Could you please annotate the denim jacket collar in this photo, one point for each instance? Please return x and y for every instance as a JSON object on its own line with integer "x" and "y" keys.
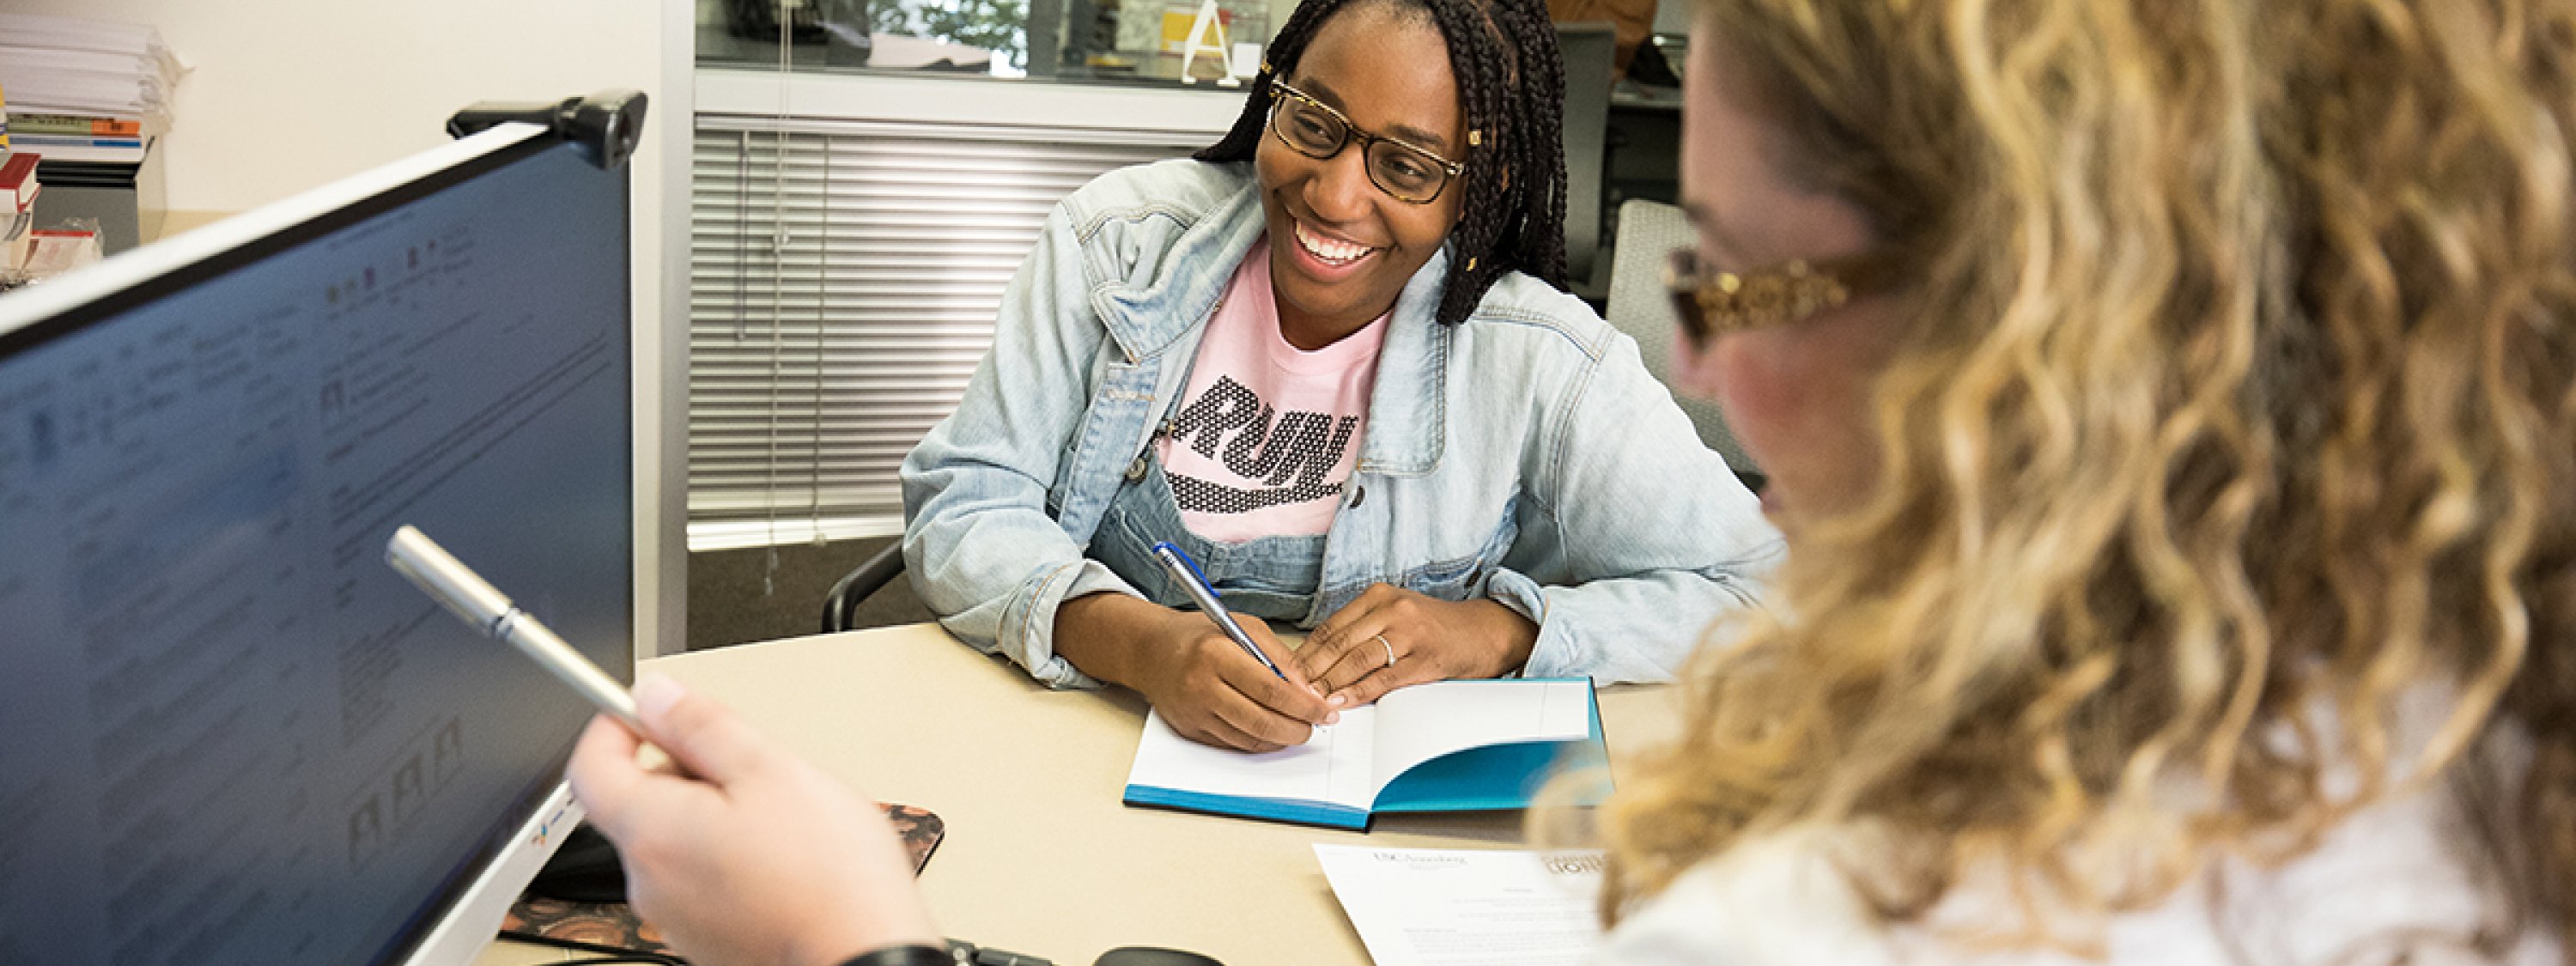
{"x": 1148, "y": 320}
{"x": 1407, "y": 407}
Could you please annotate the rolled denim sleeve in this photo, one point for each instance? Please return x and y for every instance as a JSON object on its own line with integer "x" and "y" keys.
{"x": 1649, "y": 539}
{"x": 985, "y": 553}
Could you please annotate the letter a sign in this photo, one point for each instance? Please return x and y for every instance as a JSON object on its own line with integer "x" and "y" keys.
{"x": 1210, "y": 21}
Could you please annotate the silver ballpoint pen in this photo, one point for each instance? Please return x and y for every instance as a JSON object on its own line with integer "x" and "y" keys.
{"x": 1187, "y": 572}
{"x": 478, "y": 603}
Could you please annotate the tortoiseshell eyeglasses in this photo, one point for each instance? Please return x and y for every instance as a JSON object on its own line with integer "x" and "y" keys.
{"x": 1406, "y": 171}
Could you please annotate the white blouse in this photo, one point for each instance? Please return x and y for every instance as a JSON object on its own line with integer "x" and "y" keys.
{"x": 2387, "y": 884}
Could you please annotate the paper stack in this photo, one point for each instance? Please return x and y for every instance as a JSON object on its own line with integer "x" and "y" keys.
{"x": 85, "y": 91}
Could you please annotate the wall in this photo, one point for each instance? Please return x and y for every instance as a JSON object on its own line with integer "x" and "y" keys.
{"x": 284, "y": 95}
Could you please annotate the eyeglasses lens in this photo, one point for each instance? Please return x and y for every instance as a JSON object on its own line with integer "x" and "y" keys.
{"x": 1404, "y": 172}
{"x": 1313, "y": 131}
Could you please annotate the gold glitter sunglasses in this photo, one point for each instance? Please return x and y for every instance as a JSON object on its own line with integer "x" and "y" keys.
{"x": 1712, "y": 303}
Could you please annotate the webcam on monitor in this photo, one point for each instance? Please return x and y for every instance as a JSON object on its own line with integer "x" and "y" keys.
{"x": 604, "y": 127}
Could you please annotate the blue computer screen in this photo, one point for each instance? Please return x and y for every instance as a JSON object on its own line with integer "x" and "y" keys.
{"x": 229, "y": 733}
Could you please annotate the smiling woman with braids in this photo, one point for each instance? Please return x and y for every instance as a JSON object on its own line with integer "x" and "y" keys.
{"x": 1328, "y": 359}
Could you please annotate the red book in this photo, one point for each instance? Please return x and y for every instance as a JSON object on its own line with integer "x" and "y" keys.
{"x": 18, "y": 182}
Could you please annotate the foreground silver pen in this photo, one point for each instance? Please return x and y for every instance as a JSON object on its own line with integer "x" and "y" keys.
{"x": 475, "y": 601}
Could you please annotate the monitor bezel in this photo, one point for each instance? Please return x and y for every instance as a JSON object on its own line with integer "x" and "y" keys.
{"x": 67, "y": 304}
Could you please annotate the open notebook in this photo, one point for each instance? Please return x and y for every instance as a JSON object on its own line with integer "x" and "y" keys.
{"x": 1450, "y": 746}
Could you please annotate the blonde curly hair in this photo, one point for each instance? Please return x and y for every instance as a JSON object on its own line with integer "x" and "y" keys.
{"x": 2236, "y": 398}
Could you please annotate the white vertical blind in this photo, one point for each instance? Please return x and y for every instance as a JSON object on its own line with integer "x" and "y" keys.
{"x": 843, "y": 281}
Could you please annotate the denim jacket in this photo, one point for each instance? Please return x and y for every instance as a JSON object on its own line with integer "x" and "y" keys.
{"x": 1524, "y": 455}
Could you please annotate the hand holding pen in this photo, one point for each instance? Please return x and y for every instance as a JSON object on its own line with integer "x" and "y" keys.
{"x": 1194, "y": 667}
{"x": 1186, "y": 572}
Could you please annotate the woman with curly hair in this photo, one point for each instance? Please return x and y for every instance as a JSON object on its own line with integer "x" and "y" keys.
{"x": 2172, "y": 410}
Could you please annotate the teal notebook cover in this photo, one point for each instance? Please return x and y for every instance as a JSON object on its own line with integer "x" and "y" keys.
{"x": 1488, "y": 777}
{"x": 1496, "y": 777}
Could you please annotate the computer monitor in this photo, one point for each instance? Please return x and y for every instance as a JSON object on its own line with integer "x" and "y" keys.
{"x": 229, "y": 733}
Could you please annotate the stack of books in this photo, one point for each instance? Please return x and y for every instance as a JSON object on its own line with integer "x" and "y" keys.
{"x": 18, "y": 190}
{"x": 77, "y": 137}
{"x": 90, "y": 96}
{"x": 85, "y": 91}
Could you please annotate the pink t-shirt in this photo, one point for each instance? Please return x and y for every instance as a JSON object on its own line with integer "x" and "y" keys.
{"x": 1268, "y": 433}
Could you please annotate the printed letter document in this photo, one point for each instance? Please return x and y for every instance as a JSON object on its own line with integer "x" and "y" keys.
{"x": 1450, "y": 907}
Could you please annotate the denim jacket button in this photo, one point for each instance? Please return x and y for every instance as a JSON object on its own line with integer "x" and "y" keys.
{"x": 1136, "y": 470}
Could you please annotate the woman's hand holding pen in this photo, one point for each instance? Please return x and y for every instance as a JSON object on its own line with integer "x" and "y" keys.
{"x": 750, "y": 855}
{"x": 1389, "y": 637}
{"x": 1201, "y": 681}
{"x": 1210, "y": 691}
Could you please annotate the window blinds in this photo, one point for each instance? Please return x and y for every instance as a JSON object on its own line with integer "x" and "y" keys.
{"x": 843, "y": 280}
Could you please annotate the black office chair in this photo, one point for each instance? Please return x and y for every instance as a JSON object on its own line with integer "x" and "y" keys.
{"x": 841, "y": 606}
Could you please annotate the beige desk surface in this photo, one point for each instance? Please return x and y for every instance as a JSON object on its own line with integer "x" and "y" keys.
{"x": 1041, "y": 858}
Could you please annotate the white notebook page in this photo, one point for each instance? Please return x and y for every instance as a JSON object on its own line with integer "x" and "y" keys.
{"x": 1332, "y": 766}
